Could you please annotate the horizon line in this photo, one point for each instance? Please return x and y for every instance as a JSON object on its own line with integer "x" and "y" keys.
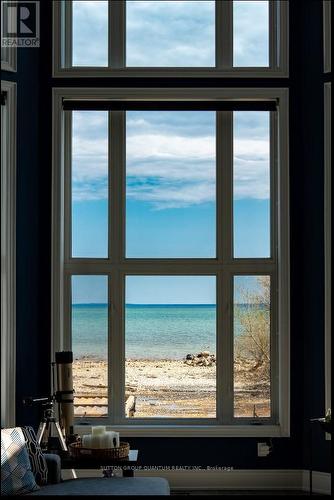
{"x": 160, "y": 304}
{"x": 138, "y": 304}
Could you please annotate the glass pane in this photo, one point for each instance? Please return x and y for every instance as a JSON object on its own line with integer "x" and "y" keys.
{"x": 170, "y": 33}
{"x": 171, "y": 184}
{"x": 252, "y": 346}
{"x": 251, "y": 184}
{"x": 170, "y": 342}
{"x": 90, "y": 184}
{"x": 250, "y": 33}
{"x": 90, "y": 33}
{"x": 90, "y": 345}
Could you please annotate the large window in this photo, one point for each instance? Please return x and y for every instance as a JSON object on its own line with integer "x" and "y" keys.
{"x": 170, "y": 37}
{"x": 171, "y": 255}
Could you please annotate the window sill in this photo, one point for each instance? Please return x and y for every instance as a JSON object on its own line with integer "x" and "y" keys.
{"x": 232, "y": 431}
{"x": 84, "y": 72}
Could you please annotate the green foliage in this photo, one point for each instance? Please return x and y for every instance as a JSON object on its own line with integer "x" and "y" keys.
{"x": 252, "y": 345}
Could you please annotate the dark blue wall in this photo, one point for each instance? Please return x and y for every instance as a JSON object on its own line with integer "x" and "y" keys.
{"x": 307, "y": 263}
{"x": 33, "y": 237}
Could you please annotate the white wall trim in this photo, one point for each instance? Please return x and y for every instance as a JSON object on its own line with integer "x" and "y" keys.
{"x": 8, "y": 254}
{"x": 321, "y": 482}
{"x": 242, "y": 479}
{"x": 188, "y": 430}
{"x": 328, "y": 243}
{"x": 327, "y": 34}
{"x": 8, "y": 54}
{"x": 8, "y": 60}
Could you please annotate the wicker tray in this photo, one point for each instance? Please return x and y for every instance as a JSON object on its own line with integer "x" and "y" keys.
{"x": 78, "y": 451}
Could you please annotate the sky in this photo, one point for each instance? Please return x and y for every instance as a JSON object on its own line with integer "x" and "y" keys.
{"x": 170, "y": 156}
{"x": 170, "y": 191}
{"x": 170, "y": 33}
{"x": 143, "y": 290}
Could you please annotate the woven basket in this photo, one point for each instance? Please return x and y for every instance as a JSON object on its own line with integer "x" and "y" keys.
{"x": 78, "y": 451}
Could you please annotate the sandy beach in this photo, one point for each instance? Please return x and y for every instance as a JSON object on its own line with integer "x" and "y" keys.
{"x": 167, "y": 388}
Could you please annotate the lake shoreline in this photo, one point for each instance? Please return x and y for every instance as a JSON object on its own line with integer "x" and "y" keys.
{"x": 167, "y": 388}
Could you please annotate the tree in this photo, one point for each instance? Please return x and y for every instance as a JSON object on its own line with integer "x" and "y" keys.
{"x": 252, "y": 344}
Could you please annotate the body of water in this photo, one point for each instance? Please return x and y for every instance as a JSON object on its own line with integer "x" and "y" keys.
{"x": 151, "y": 331}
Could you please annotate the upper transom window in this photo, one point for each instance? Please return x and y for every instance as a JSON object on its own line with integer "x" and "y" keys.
{"x": 170, "y": 37}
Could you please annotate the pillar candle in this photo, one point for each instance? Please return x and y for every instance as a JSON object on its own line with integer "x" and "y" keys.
{"x": 97, "y": 440}
{"x": 115, "y": 440}
{"x": 98, "y": 430}
{"x": 87, "y": 441}
{"x": 107, "y": 441}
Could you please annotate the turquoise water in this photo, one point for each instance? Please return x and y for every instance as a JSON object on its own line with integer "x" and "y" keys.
{"x": 152, "y": 331}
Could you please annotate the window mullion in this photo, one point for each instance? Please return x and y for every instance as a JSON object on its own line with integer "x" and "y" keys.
{"x": 220, "y": 352}
{"x": 67, "y": 34}
{"x": 116, "y": 185}
{"x": 226, "y": 355}
{"x": 225, "y": 185}
{"x": 224, "y": 34}
{"x": 225, "y": 132}
{"x": 116, "y": 34}
{"x": 224, "y": 237}
{"x": 116, "y": 252}
{"x": 274, "y": 351}
{"x": 273, "y": 185}
{"x": 116, "y": 348}
{"x": 273, "y": 34}
{"x": 66, "y": 338}
{"x": 68, "y": 186}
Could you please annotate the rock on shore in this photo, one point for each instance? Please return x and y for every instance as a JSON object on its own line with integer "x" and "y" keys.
{"x": 203, "y": 358}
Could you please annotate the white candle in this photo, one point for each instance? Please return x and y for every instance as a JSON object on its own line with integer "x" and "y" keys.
{"x": 106, "y": 442}
{"x": 98, "y": 430}
{"x": 114, "y": 438}
{"x": 97, "y": 441}
{"x": 87, "y": 441}
{"x": 108, "y": 439}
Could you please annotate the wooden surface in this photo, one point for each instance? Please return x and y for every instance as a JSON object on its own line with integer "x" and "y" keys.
{"x": 90, "y": 463}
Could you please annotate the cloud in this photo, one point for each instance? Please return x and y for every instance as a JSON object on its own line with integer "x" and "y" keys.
{"x": 90, "y": 33}
{"x": 251, "y": 173}
{"x": 173, "y": 196}
{"x": 170, "y": 33}
{"x": 187, "y": 123}
{"x": 166, "y": 167}
{"x": 89, "y": 155}
{"x": 251, "y": 31}
{"x": 170, "y": 147}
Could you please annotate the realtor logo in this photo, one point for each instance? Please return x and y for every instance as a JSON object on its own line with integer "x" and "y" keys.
{"x": 20, "y": 24}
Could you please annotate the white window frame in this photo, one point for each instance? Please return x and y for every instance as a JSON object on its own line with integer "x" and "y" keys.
{"x": 278, "y": 50}
{"x": 63, "y": 266}
{"x": 8, "y": 59}
{"x": 328, "y": 243}
{"x": 8, "y": 254}
{"x": 8, "y": 54}
{"x": 327, "y": 30}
